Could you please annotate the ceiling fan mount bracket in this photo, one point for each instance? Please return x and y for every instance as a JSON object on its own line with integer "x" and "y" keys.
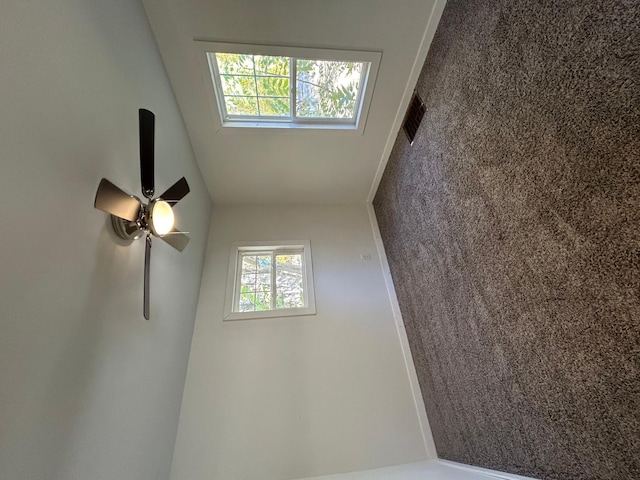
{"x": 126, "y": 229}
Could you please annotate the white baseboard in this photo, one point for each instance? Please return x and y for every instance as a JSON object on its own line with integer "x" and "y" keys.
{"x": 427, "y": 37}
{"x": 484, "y": 471}
{"x": 429, "y": 445}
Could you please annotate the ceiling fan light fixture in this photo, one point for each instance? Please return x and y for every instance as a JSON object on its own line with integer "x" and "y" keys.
{"x": 161, "y": 217}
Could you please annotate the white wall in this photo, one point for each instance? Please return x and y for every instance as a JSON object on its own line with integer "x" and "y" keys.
{"x": 300, "y": 396}
{"x": 88, "y": 388}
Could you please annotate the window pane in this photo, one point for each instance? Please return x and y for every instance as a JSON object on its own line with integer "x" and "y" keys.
{"x": 269, "y": 280}
{"x": 274, "y": 107}
{"x": 248, "y": 264}
{"x": 263, "y": 263}
{"x": 273, "y": 87}
{"x": 237, "y": 63}
{"x": 327, "y": 89}
{"x": 242, "y": 105}
{"x": 255, "y": 283}
{"x": 289, "y": 284}
{"x": 255, "y": 297}
{"x": 248, "y": 280}
{"x": 237, "y": 85}
{"x": 246, "y": 306}
{"x": 247, "y": 300}
{"x": 269, "y": 65}
{"x": 263, "y": 301}
{"x": 263, "y": 279}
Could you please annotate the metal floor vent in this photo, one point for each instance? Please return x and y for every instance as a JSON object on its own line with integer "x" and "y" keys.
{"x": 413, "y": 117}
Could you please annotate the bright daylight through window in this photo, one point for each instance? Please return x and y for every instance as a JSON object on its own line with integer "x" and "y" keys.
{"x": 267, "y": 87}
{"x": 269, "y": 281}
{"x": 290, "y": 87}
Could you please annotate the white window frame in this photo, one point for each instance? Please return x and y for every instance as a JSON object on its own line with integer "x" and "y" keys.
{"x": 235, "y": 271}
{"x": 217, "y": 103}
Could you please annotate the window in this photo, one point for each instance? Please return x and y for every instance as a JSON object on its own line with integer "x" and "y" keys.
{"x": 269, "y": 280}
{"x": 286, "y": 87}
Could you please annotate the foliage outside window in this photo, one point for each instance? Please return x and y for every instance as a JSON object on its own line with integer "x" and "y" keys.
{"x": 269, "y": 281}
{"x": 267, "y": 86}
{"x": 290, "y": 87}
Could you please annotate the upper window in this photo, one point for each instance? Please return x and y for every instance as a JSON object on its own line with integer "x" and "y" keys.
{"x": 290, "y": 87}
{"x": 267, "y": 280}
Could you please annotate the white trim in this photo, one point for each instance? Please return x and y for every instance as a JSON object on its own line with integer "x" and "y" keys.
{"x": 259, "y": 246}
{"x": 216, "y": 104}
{"x": 423, "y": 421}
{"x": 293, "y": 86}
{"x": 430, "y": 31}
{"x": 429, "y": 469}
{"x": 484, "y": 471}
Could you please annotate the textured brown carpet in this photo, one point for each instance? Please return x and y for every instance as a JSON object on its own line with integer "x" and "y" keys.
{"x": 512, "y": 227}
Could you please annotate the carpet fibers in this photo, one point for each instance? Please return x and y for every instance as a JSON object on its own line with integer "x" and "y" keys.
{"x": 512, "y": 229}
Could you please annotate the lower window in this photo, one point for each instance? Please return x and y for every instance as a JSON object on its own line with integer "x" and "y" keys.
{"x": 269, "y": 279}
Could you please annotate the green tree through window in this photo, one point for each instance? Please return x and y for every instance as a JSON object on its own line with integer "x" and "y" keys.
{"x": 265, "y": 86}
{"x": 270, "y": 281}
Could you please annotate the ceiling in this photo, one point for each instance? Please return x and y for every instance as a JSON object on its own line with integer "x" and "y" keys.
{"x": 270, "y": 166}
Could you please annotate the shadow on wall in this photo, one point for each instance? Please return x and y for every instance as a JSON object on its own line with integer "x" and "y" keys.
{"x": 71, "y": 388}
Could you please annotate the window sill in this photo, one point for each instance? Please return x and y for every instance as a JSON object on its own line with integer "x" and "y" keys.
{"x": 281, "y": 312}
{"x": 287, "y": 126}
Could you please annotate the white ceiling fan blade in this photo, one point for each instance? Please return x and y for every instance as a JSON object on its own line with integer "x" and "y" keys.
{"x": 176, "y": 239}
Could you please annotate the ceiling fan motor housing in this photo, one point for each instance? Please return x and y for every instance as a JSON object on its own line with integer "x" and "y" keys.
{"x": 129, "y": 230}
{"x": 152, "y": 218}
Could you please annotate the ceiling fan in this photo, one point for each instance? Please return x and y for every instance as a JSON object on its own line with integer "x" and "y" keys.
{"x": 131, "y": 218}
